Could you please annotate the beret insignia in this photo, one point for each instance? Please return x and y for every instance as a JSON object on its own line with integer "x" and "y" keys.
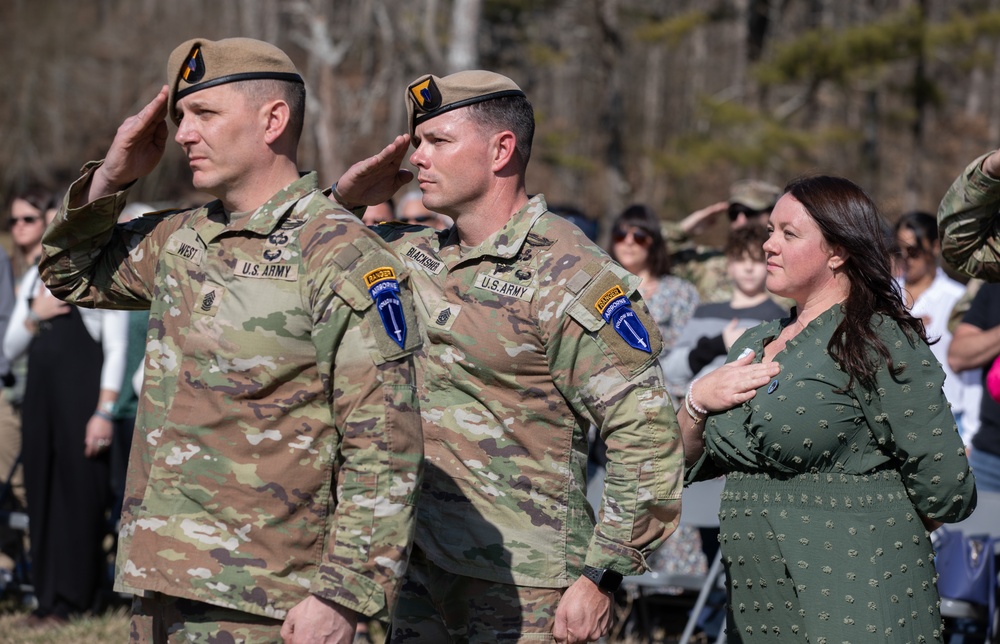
{"x": 426, "y": 95}
{"x": 194, "y": 66}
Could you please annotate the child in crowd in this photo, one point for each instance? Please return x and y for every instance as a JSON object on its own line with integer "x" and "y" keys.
{"x": 705, "y": 340}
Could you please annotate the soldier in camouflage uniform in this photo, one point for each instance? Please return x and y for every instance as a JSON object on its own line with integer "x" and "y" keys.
{"x": 272, "y": 482}
{"x": 750, "y": 202}
{"x": 968, "y": 222}
{"x": 533, "y": 333}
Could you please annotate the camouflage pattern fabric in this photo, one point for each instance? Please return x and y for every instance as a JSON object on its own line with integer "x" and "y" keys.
{"x": 161, "y": 619}
{"x": 278, "y": 448}
{"x": 703, "y": 266}
{"x": 438, "y": 606}
{"x": 968, "y": 223}
{"x": 517, "y": 363}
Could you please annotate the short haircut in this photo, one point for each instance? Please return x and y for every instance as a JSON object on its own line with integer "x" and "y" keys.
{"x": 260, "y": 91}
{"x": 747, "y": 240}
{"x": 512, "y": 113}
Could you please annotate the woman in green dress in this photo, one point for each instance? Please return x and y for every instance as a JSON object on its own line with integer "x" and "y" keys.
{"x": 839, "y": 448}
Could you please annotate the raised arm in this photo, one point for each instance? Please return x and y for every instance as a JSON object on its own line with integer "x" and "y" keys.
{"x": 135, "y": 151}
{"x": 375, "y": 179}
{"x": 968, "y": 221}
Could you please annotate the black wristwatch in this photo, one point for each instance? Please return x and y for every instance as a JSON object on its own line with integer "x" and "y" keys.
{"x": 605, "y": 579}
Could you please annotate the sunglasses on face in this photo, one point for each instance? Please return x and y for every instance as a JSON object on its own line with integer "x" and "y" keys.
{"x": 736, "y": 210}
{"x": 639, "y": 236}
{"x": 911, "y": 252}
{"x": 419, "y": 219}
{"x": 28, "y": 219}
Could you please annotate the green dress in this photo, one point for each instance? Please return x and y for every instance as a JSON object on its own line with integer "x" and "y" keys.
{"x": 819, "y": 526}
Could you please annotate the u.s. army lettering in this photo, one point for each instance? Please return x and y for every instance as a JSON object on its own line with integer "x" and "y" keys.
{"x": 500, "y": 287}
{"x": 266, "y": 271}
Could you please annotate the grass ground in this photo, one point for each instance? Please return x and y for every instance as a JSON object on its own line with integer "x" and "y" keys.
{"x": 109, "y": 628}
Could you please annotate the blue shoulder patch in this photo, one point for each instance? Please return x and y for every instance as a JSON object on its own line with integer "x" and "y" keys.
{"x": 616, "y": 309}
{"x": 384, "y": 289}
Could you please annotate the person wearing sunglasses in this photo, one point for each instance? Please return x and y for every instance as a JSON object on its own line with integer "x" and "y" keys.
{"x": 27, "y": 224}
{"x": 75, "y": 361}
{"x": 930, "y": 295}
{"x": 411, "y": 210}
{"x": 750, "y": 203}
{"x": 637, "y": 244}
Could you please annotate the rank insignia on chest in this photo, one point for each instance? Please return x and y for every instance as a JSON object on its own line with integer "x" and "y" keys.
{"x": 616, "y": 309}
{"x": 384, "y": 289}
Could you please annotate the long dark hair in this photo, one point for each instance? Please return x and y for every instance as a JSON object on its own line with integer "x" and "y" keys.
{"x": 848, "y": 218}
{"x": 642, "y": 217}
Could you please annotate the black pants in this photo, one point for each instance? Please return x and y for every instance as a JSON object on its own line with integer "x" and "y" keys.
{"x": 67, "y": 492}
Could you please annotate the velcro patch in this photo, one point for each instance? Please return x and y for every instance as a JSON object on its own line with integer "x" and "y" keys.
{"x": 384, "y": 288}
{"x": 500, "y": 287}
{"x": 444, "y": 316}
{"x": 209, "y": 299}
{"x": 422, "y": 259}
{"x": 616, "y": 309}
{"x": 287, "y": 272}
{"x": 184, "y": 250}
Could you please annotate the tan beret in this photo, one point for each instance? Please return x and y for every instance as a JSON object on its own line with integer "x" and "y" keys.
{"x": 754, "y": 194}
{"x": 430, "y": 96}
{"x": 199, "y": 64}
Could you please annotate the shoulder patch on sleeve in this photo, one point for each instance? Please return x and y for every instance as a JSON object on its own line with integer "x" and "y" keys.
{"x": 379, "y": 279}
{"x": 609, "y": 307}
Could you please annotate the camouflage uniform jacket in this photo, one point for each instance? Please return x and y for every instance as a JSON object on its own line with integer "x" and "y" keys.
{"x": 517, "y": 363}
{"x": 703, "y": 266}
{"x": 969, "y": 225}
{"x": 277, "y": 449}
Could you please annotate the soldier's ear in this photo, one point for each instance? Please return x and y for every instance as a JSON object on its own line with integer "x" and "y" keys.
{"x": 274, "y": 115}
{"x": 504, "y": 150}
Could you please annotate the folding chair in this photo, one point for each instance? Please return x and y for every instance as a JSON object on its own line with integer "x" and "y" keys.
{"x": 982, "y": 522}
{"x": 14, "y": 524}
{"x": 700, "y": 509}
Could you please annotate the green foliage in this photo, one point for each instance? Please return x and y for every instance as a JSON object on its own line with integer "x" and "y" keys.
{"x": 671, "y": 30}
{"x": 553, "y": 149}
{"x": 545, "y": 55}
{"x": 838, "y": 56}
{"x": 739, "y": 138}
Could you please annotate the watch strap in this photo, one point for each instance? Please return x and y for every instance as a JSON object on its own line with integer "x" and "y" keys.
{"x": 605, "y": 579}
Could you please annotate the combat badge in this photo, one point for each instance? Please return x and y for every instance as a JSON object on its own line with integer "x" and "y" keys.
{"x": 384, "y": 289}
{"x": 616, "y": 309}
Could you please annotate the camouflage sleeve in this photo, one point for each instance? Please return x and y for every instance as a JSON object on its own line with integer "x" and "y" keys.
{"x": 89, "y": 260}
{"x": 970, "y": 228}
{"x": 373, "y": 395}
{"x": 620, "y": 389}
{"x": 673, "y": 234}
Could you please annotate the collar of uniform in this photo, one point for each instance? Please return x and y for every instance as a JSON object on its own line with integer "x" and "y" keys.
{"x": 507, "y": 241}
{"x": 265, "y": 219}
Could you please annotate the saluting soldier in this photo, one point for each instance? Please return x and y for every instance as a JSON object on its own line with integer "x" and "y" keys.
{"x": 273, "y": 477}
{"x": 533, "y": 333}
